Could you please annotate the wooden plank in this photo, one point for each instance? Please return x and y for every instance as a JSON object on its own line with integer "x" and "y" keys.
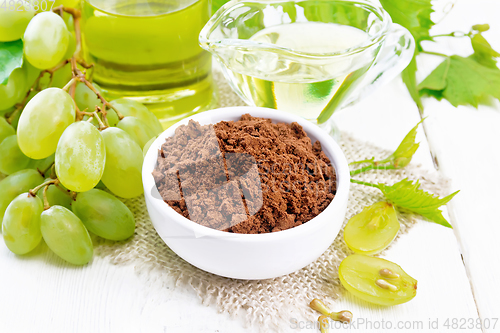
{"x": 467, "y": 142}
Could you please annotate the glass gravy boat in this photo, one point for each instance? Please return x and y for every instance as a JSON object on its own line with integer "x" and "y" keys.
{"x": 307, "y": 57}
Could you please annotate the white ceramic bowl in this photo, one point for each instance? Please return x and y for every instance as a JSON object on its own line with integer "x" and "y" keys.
{"x": 248, "y": 256}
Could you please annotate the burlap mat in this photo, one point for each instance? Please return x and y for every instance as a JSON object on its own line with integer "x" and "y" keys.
{"x": 269, "y": 304}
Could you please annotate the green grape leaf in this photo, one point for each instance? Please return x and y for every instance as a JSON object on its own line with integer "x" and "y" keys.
{"x": 408, "y": 195}
{"x": 11, "y": 57}
{"x": 403, "y": 154}
{"x": 410, "y": 80}
{"x": 462, "y": 81}
{"x": 483, "y": 52}
{"x": 216, "y": 4}
{"x": 414, "y": 15}
{"x": 481, "y": 27}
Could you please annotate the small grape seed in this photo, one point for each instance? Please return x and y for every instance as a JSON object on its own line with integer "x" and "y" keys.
{"x": 323, "y": 324}
{"x": 342, "y": 316}
{"x": 386, "y": 285}
{"x": 387, "y": 273}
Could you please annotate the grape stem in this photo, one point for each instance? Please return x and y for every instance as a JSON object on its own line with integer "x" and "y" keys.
{"x": 69, "y": 84}
{"x": 78, "y": 75}
{"x": 67, "y": 192}
{"x": 364, "y": 183}
{"x": 453, "y": 34}
{"x": 35, "y": 86}
{"x": 46, "y": 204}
{"x": 101, "y": 124}
{"x": 48, "y": 182}
{"x": 371, "y": 161}
{"x": 372, "y": 167}
{"x": 42, "y": 172}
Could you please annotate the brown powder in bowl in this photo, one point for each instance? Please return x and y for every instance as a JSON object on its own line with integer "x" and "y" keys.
{"x": 247, "y": 176}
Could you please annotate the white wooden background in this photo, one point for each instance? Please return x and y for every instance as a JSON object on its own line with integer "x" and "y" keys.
{"x": 458, "y": 270}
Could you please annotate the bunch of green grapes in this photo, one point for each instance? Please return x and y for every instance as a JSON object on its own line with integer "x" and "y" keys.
{"x": 59, "y": 139}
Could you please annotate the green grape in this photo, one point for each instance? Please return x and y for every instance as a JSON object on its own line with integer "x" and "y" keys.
{"x": 100, "y": 186}
{"x": 14, "y": 120}
{"x": 147, "y": 145}
{"x": 14, "y": 22}
{"x": 15, "y": 184}
{"x": 137, "y": 129}
{"x": 15, "y": 89}
{"x": 43, "y": 165}
{"x": 104, "y": 215}
{"x": 59, "y": 79}
{"x": 128, "y": 107}
{"x": 376, "y": 280}
{"x": 13, "y": 159}
{"x": 46, "y": 40}
{"x": 4, "y": 112}
{"x": 86, "y": 98}
{"x": 21, "y": 223}
{"x": 6, "y": 129}
{"x": 71, "y": 46}
{"x": 112, "y": 118}
{"x": 372, "y": 230}
{"x": 80, "y": 157}
{"x": 122, "y": 174}
{"x": 43, "y": 121}
{"x": 66, "y": 235}
{"x": 56, "y": 195}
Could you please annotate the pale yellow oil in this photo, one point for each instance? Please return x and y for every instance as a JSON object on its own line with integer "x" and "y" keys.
{"x": 286, "y": 85}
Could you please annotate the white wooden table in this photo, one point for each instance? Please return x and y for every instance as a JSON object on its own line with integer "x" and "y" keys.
{"x": 458, "y": 270}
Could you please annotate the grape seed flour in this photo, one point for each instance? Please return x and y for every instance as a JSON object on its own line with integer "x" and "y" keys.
{"x": 247, "y": 176}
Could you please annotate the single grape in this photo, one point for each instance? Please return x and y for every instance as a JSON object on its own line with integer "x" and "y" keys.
{"x": 128, "y": 107}
{"x": 43, "y": 165}
{"x": 46, "y": 40}
{"x": 21, "y": 223}
{"x": 56, "y": 195}
{"x": 372, "y": 230}
{"x": 14, "y": 22}
{"x": 104, "y": 215}
{"x": 86, "y": 98}
{"x": 376, "y": 280}
{"x": 137, "y": 129}
{"x": 71, "y": 46}
{"x": 80, "y": 157}
{"x": 14, "y": 119}
{"x": 112, "y": 118}
{"x": 13, "y": 159}
{"x": 100, "y": 186}
{"x": 147, "y": 145}
{"x": 122, "y": 174}
{"x": 66, "y": 235}
{"x": 32, "y": 72}
{"x": 4, "y": 112}
{"x": 15, "y": 89}
{"x": 43, "y": 121}
{"x": 6, "y": 129}
{"x": 59, "y": 79}
{"x": 15, "y": 184}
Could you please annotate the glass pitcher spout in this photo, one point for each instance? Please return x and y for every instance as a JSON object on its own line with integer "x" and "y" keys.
{"x": 304, "y": 57}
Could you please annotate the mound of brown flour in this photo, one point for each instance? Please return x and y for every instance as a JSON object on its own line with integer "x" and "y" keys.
{"x": 246, "y": 176}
